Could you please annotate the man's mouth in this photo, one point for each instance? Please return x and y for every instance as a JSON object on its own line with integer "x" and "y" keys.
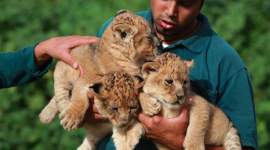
{"x": 166, "y": 25}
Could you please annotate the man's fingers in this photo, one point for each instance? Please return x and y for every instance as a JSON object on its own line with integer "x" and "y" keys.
{"x": 144, "y": 118}
{"x": 84, "y": 40}
{"x": 94, "y": 109}
{"x": 91, "y": 97}
{"x": 68, "y": 59}
{"x": 189, "y": 102}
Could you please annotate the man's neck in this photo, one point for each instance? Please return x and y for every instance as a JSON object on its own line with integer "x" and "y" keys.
{"x": 188, "y": 32}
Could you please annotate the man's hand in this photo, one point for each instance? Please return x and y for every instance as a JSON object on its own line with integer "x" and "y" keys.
{"x": 59, "y": 48}
{"x": 92, "y": 115}
{"x": 169, "y": 132}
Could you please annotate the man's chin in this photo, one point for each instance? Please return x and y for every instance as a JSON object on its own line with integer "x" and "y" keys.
{"x": 164, "y": 32}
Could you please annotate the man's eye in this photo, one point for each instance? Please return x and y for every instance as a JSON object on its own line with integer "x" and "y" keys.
{"x": 186, "y": 2}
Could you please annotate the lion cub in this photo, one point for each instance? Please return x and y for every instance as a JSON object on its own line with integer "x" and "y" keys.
{"x": 166, "y": 89}
{"x": 116, "y": 98}
{"x": 126, "y": 44}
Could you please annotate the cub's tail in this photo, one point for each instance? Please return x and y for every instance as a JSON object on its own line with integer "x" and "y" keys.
{"x": 49, "y": 113}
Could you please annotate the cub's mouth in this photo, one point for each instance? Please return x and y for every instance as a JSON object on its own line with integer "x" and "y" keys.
{"x": 175, "y": 103}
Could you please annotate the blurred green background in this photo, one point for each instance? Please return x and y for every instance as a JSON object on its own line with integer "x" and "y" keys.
{"x": 244, "y": 24}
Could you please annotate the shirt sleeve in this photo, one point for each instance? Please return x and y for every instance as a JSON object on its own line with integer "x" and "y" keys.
{"x": 19, "y": 67}
{"x": 103, "y": 28}
{"x": 236, "y": 99}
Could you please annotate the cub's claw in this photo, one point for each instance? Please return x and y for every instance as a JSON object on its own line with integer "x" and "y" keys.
{"x": 152, "y": 107}
{"x": 70, "y": 120}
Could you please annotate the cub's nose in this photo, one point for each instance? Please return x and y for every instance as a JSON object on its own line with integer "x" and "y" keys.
{"x": 124, "y": 121}
{"x": 179, "y": 97}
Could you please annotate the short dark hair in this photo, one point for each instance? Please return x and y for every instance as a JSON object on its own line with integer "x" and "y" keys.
{"x": 202, "y": 4}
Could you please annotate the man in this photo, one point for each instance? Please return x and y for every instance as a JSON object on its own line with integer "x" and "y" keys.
{"x": 219, "y": 75}
{"x": 33, "y": 62}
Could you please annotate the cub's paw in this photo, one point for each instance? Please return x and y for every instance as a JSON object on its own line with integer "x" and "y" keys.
{"x": 70, "y": 120}
{"x": 134, "y": 135}
{"x": 82, "y": 147}
{"x": 47, "y": 117}
{"x": 151, "y": 107}
{"x": 193, "y": 145}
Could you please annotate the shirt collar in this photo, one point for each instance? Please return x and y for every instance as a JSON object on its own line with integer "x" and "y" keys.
{"x": 197, "y": 41}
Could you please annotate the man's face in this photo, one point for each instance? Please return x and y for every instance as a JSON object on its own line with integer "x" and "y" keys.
{"x": 171, "y": 17}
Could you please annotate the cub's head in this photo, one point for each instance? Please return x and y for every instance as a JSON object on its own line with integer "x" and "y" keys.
{"x": 131, "y": 35}
{"x": 116, "y": 98}
{"x": 167, "y": 79}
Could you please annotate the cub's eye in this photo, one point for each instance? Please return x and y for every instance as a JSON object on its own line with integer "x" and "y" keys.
{"x": 169, "y": 81}
{"x": 133, "y": 107}
{"x": 149, "y": 38}
{"x": 114, "y": 109}
{"x": 185, "y": 82}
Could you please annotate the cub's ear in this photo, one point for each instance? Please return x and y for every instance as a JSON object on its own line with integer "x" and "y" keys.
{"x": 139, "y": 83}
{"x": 149, "y": 67}
{"x": 98, "y": 90}
{"x": 189, "y": 63}
{"x": 95, "y": 89}
{"x": 124, "y": 32}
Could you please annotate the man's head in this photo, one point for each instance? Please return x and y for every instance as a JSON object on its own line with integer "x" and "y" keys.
{"x": 175, "y": 17}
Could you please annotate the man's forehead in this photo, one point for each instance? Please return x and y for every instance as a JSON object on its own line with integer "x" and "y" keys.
{"x": 186, "y": 0}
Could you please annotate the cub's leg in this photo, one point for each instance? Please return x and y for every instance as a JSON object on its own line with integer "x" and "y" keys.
{"x": 95, "y": 132}
{"x": 127, "y": 138}
{"x": 150, "y": 106}
{"x": 161, "y": 146}
{"x": 133, "y": 135}
{"x": 49, "y": 113}
{"x": 64, "y": 78}
{"x": 232, "y": 140}
{"x": 198, "y": 123}
{"x": 74, "y": 113}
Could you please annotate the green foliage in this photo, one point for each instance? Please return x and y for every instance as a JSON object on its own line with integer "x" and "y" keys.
{"x": 244, "y": 24}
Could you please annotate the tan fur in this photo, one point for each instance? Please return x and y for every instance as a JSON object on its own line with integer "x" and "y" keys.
{"x": 125, "y": 45}
{"x": 116, "y": 98}
{"x": 167, "y": 87}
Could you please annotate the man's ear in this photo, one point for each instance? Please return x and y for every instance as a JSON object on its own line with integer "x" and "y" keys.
{"x": 124, "y": 32}
{"x": 148, "y": 68}
{"x": 189, "y": 63}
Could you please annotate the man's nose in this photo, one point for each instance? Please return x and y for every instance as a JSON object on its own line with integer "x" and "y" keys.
{"x": 172, "y": 8}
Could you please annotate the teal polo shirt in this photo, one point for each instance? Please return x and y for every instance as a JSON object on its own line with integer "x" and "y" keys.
{"x": 219, "y": 75}
{"x": 19, "y": 67}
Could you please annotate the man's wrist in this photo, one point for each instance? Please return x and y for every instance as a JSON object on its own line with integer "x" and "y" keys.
{"x": 40, "y": 55}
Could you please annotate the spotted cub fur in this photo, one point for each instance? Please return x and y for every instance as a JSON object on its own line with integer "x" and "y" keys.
{"x": 126, "y": 44}
{"x": 167, "y": 88}
{"x": 116, "y": 98}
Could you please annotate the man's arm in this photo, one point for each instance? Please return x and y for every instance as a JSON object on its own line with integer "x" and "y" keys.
{"x": 33, "y": 62}
{"x": 59, "y": 48}
{"x": 237, "y": 101}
